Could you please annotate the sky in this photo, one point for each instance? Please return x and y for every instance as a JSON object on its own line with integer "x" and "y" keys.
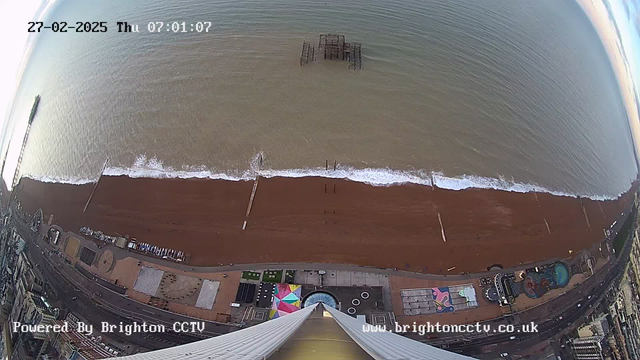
{"x": 626, "y": 16}
{"x": 617, "y": 23}
{"x": 630, "y": 19}
{"x": 620, "y": 33}
{"x": 16, "y": 44}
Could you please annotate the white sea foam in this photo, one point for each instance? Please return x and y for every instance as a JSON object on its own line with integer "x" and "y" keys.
{"x": 478, "y": 182}
{"x": 375, "y": 177}
{"x": 61, "y": 180}
{"x": 154, "y": 168}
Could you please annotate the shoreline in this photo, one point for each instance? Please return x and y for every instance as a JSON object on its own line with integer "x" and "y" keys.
{"x": 153, "y": 168}
{"x": 378, "y": 177}
{"x": 294, "y": 220}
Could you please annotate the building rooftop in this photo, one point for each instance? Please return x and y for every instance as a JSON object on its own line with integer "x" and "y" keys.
{"x": 40, "y": 304}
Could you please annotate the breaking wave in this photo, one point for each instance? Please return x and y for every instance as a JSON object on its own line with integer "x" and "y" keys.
{"x": 61, "y": 180}
{"x": 154, "y": 168}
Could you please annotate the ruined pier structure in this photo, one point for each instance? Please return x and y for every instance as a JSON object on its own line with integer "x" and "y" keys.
{"x": 333, "y": 47}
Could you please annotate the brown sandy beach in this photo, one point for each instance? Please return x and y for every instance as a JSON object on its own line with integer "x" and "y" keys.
{"x": 295, "y": 220}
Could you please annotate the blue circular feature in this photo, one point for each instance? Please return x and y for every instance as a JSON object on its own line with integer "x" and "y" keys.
{"x": 562, "y": 274}
{"x": 320, "y": 297}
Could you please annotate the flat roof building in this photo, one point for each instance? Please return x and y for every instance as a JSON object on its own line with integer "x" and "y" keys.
{"x": 587, "y": 348}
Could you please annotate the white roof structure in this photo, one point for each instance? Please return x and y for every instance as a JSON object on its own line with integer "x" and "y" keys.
{"x": 208, "y": 293}
{"x": 387, "y": 345}
{"x": 263, "y": 340}
{"x": 423, "y": 301}
{"x": 256, "y": 342}
{"x": 148, "y": 280}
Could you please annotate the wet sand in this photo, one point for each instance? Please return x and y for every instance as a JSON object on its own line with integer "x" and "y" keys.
{"x": 295, "y": 220}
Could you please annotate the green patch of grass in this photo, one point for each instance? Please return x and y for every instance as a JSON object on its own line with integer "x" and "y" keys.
{"x": 621, "y": 238}
{"x": 272, "y": 276}
{"x": 251, "y": 275}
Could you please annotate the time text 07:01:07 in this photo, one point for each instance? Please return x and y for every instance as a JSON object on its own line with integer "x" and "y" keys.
{"x": 159, "y": 26}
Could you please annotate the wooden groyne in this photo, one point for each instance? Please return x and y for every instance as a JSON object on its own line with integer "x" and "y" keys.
{"x": 104, "y": 166}
{"x": 253, "y": 193}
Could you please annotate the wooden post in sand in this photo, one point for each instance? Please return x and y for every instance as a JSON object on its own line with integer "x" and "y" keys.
{"x": 546, "y": 223}
{"x": 584, "y": 211}
{"x": 104, "y": 166}
{"x": 444, "y": 238}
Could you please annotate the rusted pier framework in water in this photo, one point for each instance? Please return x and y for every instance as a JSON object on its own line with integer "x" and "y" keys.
{"x": 308, "y": 53}
{"x": 333, "y": 47}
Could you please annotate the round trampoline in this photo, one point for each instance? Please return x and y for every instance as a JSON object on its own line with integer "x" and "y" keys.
{"x": 562, "y": 274}
{"x": 320, "y": 297}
